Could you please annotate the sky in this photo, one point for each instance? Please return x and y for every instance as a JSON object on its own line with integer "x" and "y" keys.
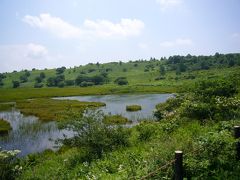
{"x": 53, "y": 33}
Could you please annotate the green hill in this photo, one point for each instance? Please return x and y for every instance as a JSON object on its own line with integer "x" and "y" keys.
{"x": 174, "y": 71}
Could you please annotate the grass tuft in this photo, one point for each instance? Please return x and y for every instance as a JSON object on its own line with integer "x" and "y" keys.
{"x": 115, "y": 119}
{"x": 133, "y": 108}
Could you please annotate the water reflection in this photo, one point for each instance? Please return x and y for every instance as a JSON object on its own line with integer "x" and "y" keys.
{"x": 29, "y": 134}
{"x": 116, "y": 104}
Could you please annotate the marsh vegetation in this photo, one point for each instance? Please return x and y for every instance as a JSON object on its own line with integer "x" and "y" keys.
{"x": 93, "y": 141}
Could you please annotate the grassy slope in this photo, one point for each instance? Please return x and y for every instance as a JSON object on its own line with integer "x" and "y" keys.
{"x": 139, "y": 82}
{"x": 135, "y": 75}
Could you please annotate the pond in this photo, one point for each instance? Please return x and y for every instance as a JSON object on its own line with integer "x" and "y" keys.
{"x": 116, "y": 104}
{"x": 30, "y": 135}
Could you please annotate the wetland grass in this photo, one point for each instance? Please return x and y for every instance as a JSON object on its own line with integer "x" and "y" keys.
{"x": 5, "y": 127}
{"x": 115, "y": 119}
{"x": 51, "y": 109}
{"x": 133, "y": 108}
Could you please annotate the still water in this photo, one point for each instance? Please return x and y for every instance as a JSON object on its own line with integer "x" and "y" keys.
{"x": 30, "y": 135}
{"x": 116, "y": 104}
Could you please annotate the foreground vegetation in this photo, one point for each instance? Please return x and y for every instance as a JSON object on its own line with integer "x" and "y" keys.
{"x": 200, "y": 123}
{"x": 199, "y": 120}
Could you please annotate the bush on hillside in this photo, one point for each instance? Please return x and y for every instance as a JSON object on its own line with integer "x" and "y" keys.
{"x": 16, "y": 84}
{"x": 121, "y": 81}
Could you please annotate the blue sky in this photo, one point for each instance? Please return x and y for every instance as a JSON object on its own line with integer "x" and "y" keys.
{"x": 53, "y": 33}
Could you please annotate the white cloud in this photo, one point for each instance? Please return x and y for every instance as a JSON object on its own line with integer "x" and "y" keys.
{"x": 166, "y": 4}
{"x": 26, "y": 56}
{"x": 54, "y": 25}
{"x": 36, "y": 51}
{"x": 89, "y": 29}
{"x": 178, "y": 42}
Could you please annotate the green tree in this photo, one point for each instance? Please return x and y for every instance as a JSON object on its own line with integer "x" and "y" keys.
{"x": 16, "y": 84}
{"x": 162, "y": 70}
{"x": 121, "y": 81}
{"x": 42, "y": 75}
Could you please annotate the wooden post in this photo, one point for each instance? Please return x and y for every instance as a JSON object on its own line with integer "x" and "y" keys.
{"x": 178, "y": 167}
{"x": 237, "y": 136}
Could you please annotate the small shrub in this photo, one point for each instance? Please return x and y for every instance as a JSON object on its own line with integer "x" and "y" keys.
{"x": 69, "y": 82}
{"x": 133, "y": 108}
{"x": 16, "y": 84}
{"x": 121, "y": 81}
{"x": 91, "y": 133}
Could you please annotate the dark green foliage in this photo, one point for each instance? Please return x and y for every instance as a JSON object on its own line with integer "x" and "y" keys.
{"x": 70, "y": 82}
{"x": 149, "y": 67}
{"x": 82, "y": 80}
{"x": 56, "y": 81}
{"x": 60, "y": 70}
{"x": 23, "y": 78}
{"x": 121, "y": 81}
{"x": 215, "y": 157}
{"x": 42, "y": 75}
{"x": 2, "y": 76}
{"x": 16, "y": 84}
{"x": 108, "y": 69}
{"x": 211, "y": 88}
{"x": 27, "y": 73}
{"x": 1, "y": 83}
{"x": 160, "y": 78}
{"x": 38, "y": 79}
{"x": 91, "y": 70}
{"x": 97, "y": 79}
{"x": 162, "y": 70}
{"x": 91, "y": 133}
{"x": 61, "y": 84}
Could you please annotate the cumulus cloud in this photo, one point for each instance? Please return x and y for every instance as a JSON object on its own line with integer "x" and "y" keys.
{"x": 22, "y": 56}
{"x": 89, "y": 28}
{"x": 177, "y": 42}
{"x": 36, "y": 50}
{"x": 166, "y": 4}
